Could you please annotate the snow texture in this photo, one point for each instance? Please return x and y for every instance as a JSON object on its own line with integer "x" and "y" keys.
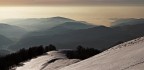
{"x": 126, "y": 56}
{"x": 53, "y": 60}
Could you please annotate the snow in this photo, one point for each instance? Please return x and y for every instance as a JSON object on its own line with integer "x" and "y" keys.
{"x": 53, "y": 60}
{"x": 126, "y": 56}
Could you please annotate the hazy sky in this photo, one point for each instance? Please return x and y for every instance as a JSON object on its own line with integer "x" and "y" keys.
{"x": 93, "y": 11}
{"x": 68, "y": 2}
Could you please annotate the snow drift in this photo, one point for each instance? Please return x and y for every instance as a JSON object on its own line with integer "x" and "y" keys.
{"x": 53, "y": 60}
{"x": 126, "y": 56}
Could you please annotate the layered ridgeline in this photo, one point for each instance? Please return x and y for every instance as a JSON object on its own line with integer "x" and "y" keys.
{"x": 97, "y": 37}
{"x": 34, "y": 24}
{"x": 42, "y": 35}
{"x": 11, "y": 31}
{"x": 4, "y": 41}
{"x": 70, "y": 34}
{"x": 126, "y": 56}
{"x": 130, "y": 21}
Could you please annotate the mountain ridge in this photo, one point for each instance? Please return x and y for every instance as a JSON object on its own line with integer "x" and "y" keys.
{"x": 113, "y": 58}
{"x": 33, "y": 24}
{"x": 11, "y": 31}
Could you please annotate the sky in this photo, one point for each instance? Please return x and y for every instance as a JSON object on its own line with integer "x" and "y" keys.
{"x": 92, "y": 11}
{"x": 68, "y": 2}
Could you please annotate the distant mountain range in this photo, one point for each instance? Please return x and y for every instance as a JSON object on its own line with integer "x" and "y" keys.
{"x": 43, "y": 35}
{"x": 128, "y": 21}
{"x": 11, "y": 31}
{"x": 4, "y": 41}
{"x": 69, "y": 33}
{"x": 34, "y": 24}
{"x": 73, "y": 33}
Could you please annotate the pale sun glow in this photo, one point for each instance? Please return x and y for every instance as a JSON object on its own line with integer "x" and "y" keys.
{"x": 92, "y": 14}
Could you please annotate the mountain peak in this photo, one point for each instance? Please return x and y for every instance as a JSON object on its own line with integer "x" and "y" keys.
{"x": 100, "y": 27}
{"x": 128, "y": 21}
{"x": 61, "y": 18}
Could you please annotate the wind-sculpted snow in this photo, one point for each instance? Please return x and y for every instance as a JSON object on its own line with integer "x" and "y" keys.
{"x": 126, "y": 56}
{"x": 129, "y": 43}
{"x": 51, "y": 61}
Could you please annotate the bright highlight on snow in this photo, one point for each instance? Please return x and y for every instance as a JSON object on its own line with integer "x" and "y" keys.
{"x": 53, "y": 60}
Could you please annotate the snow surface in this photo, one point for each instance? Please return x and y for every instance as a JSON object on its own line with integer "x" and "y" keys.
{"x": 53, "y": 60}
{"x": 126, "y": 56}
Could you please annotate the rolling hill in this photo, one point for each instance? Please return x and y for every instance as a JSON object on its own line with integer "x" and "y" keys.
{"x": 126, "y": 56}
{"x": 34, "y": 24}
{"x": 71, "y": 34}
{"x": 97, "y": 37}
{"x": 4, "y": 41}
{"x": 11, "y": 31}
{"x": 128, "y": 21}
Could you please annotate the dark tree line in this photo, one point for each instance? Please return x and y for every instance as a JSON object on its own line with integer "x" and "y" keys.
{"x": 82, "y": 53}
{"x": 22, "y": 55}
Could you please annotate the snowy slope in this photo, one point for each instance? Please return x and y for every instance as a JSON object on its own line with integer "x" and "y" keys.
{"x": 53, "y": 60}
{"x": 126, "y": 56}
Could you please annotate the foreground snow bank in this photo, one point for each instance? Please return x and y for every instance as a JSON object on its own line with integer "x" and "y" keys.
{"x": 126, "y": 56}
{"x": 53, "y": 60}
